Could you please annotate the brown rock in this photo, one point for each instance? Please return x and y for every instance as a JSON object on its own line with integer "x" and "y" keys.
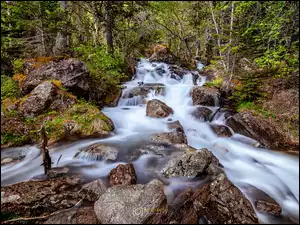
{"x": 270, "y": 206}
{"x": 202, "y": 113}
{"x": 221, "y": 130}
{"x": 35, "y": 197}
{"x": 206, "y": 96}
{"x": 122, "y": 175}
{"x": 223, "y": 203}
{"x": 260, "y": 129}
{"x": 99, "y": 152}
{"x": 85, "y": 215}
{"x": 158, "y": 109}
{"x": 176, "y": 126}
{"x": 170, "y": 138}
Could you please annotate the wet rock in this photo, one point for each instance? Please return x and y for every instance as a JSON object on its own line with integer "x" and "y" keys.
{"x": 39, "y": 99}
{"x": 180, "y": 71}
{"x": 223, "y": 203}
{"x": 271, "y": 207}
{"x": 112, "y": 99}
{"x": 174, "y": 137}
{"x": 94, "y": 189}
{"x": 158, "y": 109}
{"x": 122, "y": 175}
{"x": 206, "y": 96}
{"x": 144, "y": 89}
{"x": 260, "y": 129}
{"x": 175, "y": 125}
{"x": 85, "y": 215}
{"x": 73, "y": 74}
{"x": 33, "y": 198}
{"x": 99, "y": 152}
{"x": 6, "y": 160}
{"x": 202, "y": 113}
{"x": 221, "y": 130}
{"x": 183, "y": 211}
{"x": 132, "y": 203}
{"x": 189, "y": 164}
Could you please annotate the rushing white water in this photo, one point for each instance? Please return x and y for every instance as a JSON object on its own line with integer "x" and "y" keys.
{"x": 274, "y": 173}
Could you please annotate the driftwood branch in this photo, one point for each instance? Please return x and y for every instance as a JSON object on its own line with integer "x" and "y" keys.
{"x": 44, "y": 149}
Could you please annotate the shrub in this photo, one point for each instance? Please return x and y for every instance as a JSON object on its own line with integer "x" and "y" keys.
{"x": 18, "y": 65}
{"x": 9, "y": 88}
{"x": 106, "y": 70}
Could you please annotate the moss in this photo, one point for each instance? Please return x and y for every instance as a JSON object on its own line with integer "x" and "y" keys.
{"x": 215, "y": 83}
{"x": 14, "y": 139}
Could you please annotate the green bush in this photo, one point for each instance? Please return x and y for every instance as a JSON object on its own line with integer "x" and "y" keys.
{"x": 9, "y": 88}
{"x": 18, "y": 65}
{"x": 105, "y": 69}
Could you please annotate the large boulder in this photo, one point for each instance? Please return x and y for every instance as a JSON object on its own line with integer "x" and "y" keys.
{"x": 207, "y": 96}
{"x": 122, "y": 175}
{"x": 202, "y": 113}
{"x": 33, "y": 198}
{"x": 163, "y": 54}
{"x": 223, "y": 203}
{"x": 132, "y": 204}
{"x": 158, "y": 109}
{"x": 99, "y": 152}
{"x": 258, "y": 128}
{"x": 189, "y": 164}
{"x": 175, "y": 137}
{"x": 46, "y": 95}
{"x": 73, "y": 74}
{"x": 39, "y": 99}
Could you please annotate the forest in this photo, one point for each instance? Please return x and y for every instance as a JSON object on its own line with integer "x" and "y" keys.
{"x": 200, "y": 77}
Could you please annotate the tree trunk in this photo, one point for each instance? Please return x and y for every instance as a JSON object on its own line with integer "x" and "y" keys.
{"x": 197, "y": 49}
{"x": 61, "y": 37}
{"x": 109, "y": 24}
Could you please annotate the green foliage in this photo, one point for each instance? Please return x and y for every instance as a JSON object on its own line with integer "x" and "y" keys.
{"x": 255, "y": 108}
{"x": 14, "y": 139}
{"x": 215, "y": 83}
{"x": 9, "y": 88}
{"x": 105, "y": 69}
{"x": 18, "y": 65}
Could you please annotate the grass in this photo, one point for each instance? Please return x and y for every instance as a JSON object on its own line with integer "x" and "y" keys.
{"x": 255, "y": 108}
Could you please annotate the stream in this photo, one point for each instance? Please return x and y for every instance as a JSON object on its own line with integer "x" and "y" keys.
{"x": 274, "y": 173}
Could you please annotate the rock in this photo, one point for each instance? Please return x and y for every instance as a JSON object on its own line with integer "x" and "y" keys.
{"x": 94, "y": 189}
{"x": 112, "y": 98}
{"x": 174, "y": 137}
{"x": 39, "y": 99}
{"x": 175, "y": 125}
{"x": 189, "y": 164}
{"x": 85, "y": 215}
{"x": 221, "y": 130}
{"x": 202, "y": 113}
{"x": 260, "y": 129}
{"x": 164, "y": 55}
{"x": 223, "y": 203}
{"x": 183, "y": 211}
{"x": 73, "y": 74}
{"x": 99, "y": 152}
{"x": 144, "y": 89}
{"x": 158, "y": 109}
{"x": 207, "y": 96}
{"x": 33, "y": 198}
{"x": 271, "y": 207}
{"x": 122, "y": 175}
{"x": 6, "y": 160}
{"x": 178, "y": 70}
{"x": 262, "y": 201}
{"x": 132, "y": 204}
